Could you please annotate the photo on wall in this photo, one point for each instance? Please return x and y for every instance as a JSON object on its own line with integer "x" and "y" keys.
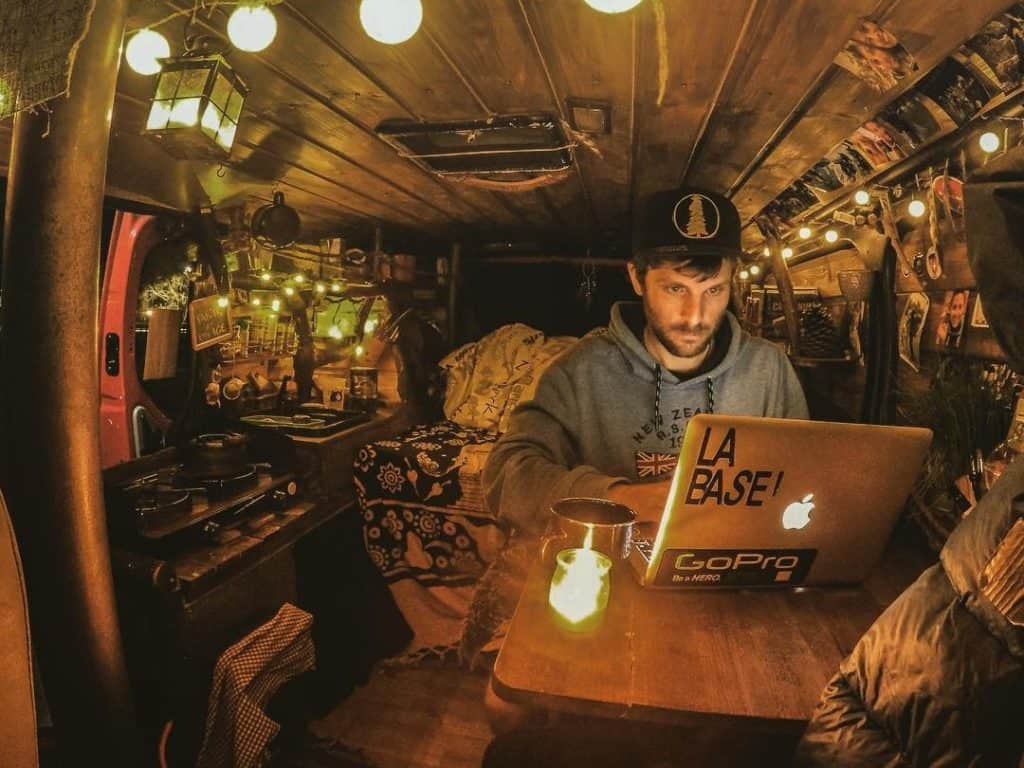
{"x": 878, "y": 144}
{"x": 1000, "y": 47}
{"x": 874, "y": 55}
{"x": 796, "y": 199}
{"x": 955, "y": 89}
{"x": 914, "y": 120}
{"x": 911, "y": 327}
{"x": 822, "y": 180}
{"x": 952, "y": 322}
{"x": 848, "y": 164}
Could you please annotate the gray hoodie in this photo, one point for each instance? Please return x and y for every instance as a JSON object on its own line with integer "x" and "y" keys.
{"x": 606, "y": 412}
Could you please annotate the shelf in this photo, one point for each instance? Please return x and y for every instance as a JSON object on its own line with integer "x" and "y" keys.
{"x": 813, "y": 362}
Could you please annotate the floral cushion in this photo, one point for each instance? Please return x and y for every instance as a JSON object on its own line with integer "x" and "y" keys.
{"x": 422, "y": 506}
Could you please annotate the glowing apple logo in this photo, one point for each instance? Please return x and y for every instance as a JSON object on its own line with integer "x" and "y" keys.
{"x": 798, "y": 514}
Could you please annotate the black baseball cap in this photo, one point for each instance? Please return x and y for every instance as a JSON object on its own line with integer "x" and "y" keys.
{"x": 688, "y": 222}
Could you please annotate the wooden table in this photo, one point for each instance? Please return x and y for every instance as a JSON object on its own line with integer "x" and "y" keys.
{"x": 690, "y": 656}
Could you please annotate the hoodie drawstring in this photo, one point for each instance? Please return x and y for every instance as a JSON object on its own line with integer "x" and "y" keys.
{"x": 709, "y": 387}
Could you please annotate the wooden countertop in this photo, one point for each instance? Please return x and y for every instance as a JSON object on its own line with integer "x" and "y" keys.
{"x": 682, "y": 656}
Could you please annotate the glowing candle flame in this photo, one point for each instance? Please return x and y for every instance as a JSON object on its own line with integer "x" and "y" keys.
{"x": 579, "y": 587}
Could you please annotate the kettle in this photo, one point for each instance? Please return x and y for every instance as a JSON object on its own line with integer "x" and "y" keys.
{"x": 277, "y": 224}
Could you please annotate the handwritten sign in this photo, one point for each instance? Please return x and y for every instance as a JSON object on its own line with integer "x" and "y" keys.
{"x": 209, "y": 322}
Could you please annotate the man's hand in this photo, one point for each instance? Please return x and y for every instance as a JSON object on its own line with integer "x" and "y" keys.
{"x": 646, "y": 499}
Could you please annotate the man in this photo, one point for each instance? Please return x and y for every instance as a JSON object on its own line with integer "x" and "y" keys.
{"x": 608, "y": 418}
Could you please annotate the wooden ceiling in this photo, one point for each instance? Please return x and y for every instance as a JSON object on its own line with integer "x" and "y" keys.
{"x": 739, "y": 96}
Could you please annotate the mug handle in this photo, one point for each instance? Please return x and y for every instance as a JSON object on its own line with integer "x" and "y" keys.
{"x": 548, "y": 542}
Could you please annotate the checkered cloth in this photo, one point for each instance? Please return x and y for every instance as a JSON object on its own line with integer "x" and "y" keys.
{"x": 247, "y": 675}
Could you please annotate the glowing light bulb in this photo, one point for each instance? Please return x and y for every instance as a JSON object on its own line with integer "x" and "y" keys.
{"x": 831, "y": 236}
{"x": 805, "y": 233}
{"x": 252, "y": 27}
{"x": 265, "y": 277}
{"x": 391, "y": 21}
{"x": 144, "y": 51}
{"x": 289, "y": 291}
{"x": 767, "y": 251}
{"x": 744, "y": 274}
{"x": 989, "y": 141}
{"x": 371, "y": 324}
{"x": 222, "y": 302}
{"x": 787, "y": 252}
{"x": 300, "y": 278}
{"x": 336, "y": 287}
{"x": 321, "y": 288}
{"x": 612, "y": 6}
{"x": 755, "y": 270}
{"x": 334, "y": 332}
{"x": 861, "y": 197}
{"x": 359, "y": 350}
{"x": 149, "y": 313}
{"x": 917, "y": 208}
{"x": 256, "y": 301}
{"x": 275, "y": 305}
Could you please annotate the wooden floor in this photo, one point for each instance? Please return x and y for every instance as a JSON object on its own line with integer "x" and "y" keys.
{"x": 413, "y": 718}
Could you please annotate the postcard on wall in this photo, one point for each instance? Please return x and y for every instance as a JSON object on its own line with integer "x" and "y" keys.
{"x": 999, "y": 46}
{"x": 955, "y": 89}
{"x": 911, "y": 327}
{"x": 878, "y": 143}
{"x": 950, "y": 332}
{"x": 873, "y": 54}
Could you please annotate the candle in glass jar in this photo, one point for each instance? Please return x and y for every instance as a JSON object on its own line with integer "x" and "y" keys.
{"x": 579, "y": 586}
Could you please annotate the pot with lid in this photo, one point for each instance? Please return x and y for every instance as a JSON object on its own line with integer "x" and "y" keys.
{"x": 276, "y": 225}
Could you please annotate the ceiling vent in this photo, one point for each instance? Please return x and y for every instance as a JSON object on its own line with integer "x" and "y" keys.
{"x": 514, "y": 144}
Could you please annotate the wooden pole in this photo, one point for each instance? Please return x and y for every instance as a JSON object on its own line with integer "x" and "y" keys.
{"x": 785, "y": 283}
{"x": 50, "y": 412}
{"x": 454, "y": 276}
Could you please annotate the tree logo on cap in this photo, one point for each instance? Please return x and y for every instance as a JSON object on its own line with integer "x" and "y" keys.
{"x": 696, "y": 217}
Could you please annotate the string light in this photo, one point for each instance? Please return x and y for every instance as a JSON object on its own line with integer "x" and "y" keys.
{"x": 370, "y": 325}
{"x": 787, "y": 252}
{"x": 767, "y": 251}
{"x": 744, "y": 274}
{"x": 612, "y": 6}
{"x": 265, "y": 277}
{"x": 321, "y": 288}
{"x": 144, "y": 51}
{"x": 917, "y": 208}
{"x": 391, "y": 21}
{"x": 831, "y": 236}
{"x": 222, "y": 302}
{"x": 256, "y": 301}
{"x": 861, "y": 197}
{"x": 289, "y": 291}
{"x": 300, "y": 278}
{"x": 755, "y": 270}
{"x": 334, "y": 332}
{"x": 335, "y": 287}
{"x": 805, "y": 233}
{"x": 275, "y": 305}
{"x": 149, "y": 313}
{"x": 989, "y": 141}
{"x": 252, "y": 27}
{"x": 359, "y": 350}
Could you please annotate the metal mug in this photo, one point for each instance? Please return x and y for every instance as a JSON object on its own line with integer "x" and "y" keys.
{"x": 572, "y": 519}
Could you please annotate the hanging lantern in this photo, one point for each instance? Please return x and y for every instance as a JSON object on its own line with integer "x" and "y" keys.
{"x": 391, "y": 21}
{"x": 198, "y": 102}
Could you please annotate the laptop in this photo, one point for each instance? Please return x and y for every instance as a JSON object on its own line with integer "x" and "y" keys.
{"x": 762, "y": 502}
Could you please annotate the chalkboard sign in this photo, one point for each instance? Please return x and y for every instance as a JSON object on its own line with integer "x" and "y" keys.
{"x": 209, "y": 321}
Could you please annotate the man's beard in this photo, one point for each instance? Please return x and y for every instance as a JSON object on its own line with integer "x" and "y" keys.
{"x": 668, "y": 337}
